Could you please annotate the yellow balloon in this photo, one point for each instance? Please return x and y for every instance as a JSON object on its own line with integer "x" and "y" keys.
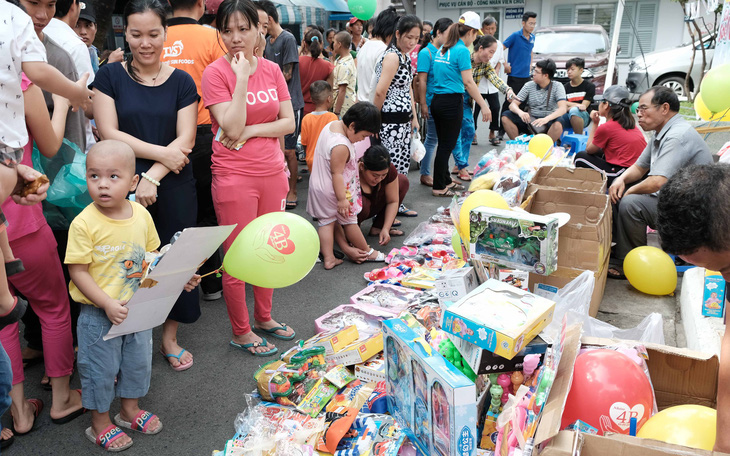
{"x": 705, "y": 114}
{"x": 540, "y": 144}
{"x": 687, "y": 425}
{"x": 651, "y": 271}
{"x": 488, "y": 198}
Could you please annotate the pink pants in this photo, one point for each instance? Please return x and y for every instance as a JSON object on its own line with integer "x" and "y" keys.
{"x": 42, "y": 283}
{"x": 240, "y": 199}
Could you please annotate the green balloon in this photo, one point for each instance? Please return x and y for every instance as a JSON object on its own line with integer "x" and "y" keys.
{"x": 362, "y": 9}
{"x": 634, "y": 106}
{"x": 715, "y": 88}
{"x": 275, "y": 250}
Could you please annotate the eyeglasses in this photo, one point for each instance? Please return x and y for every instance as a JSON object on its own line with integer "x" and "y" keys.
{"x": 642, "y": 108}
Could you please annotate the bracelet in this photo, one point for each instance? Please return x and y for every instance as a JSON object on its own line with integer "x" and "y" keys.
{"x": 154, "y": 181}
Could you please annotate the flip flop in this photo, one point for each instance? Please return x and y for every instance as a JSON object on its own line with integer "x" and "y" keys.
{"x": 397, "y": 223}
{"x": 495, "y": 141}
{"x": 272, "y": 332}
{"x": 38, "y": 405}
{"x": 464, "y": 176}
{"x": 7, "y": 442}
{"x": 71, "y": 416}
{"x": 619, "y": 276}
{"x": 396, "y": 233}
{"x": 290, "y": 205}
{"x": 19, "y": 307}
{"x": 139, "y": 423}
{"x": 449, "y": 193}
{"x": 245, "y": 347}
{"x": 403, "y": 211}
{"x": 182, "y": 366}
{"x": 107, "y": 437}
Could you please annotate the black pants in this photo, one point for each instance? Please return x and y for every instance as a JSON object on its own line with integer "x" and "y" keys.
{"x": 448, "y": 112}
{"x": 200, "y": 157}
{"x": 492, "y": 100}
{"x": 598, "y": 162}
{"x": 516, "y": 85}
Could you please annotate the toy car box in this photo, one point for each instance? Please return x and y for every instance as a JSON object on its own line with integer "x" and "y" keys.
{"x": 433, "y": 401}
{"x": 514, "y": 239}
{"x": 454, "y": 284}
{"x": 713, "y": 299}
{"x": 498, "y": 317}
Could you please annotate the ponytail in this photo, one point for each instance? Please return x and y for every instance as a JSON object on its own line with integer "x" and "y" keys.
{"x": 622, "y": 114}
{"x": 314, "y": 41}
{"x": 453, "y": 34}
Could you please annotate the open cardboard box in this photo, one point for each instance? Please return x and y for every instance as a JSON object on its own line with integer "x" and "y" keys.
{"x": 585, "y": 241}
{"x": 679, "y": 376}
{"x": 579, "y": 179}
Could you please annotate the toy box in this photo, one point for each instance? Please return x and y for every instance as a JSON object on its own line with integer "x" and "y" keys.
{"x": 454, "y": 284}
{"x": 516, "y": 278}
{"x": 333, "y": 341}
{"x": 433, "y": 401}
{"x": 372, "y": 370}
{"x": 498, "y": 317}
{"x": 713, "y": 298}
{"x": 367, "y": 318}
{"x": 485, "y": 362}
{"x": 389, "y": 297}
{"x": 361, "y": 350}
{"x": 514, "y": 239}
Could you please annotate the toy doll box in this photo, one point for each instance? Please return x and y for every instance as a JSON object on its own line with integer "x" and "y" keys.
{"x": 498, "y": 317}
{"x": 514, "y": 239}
{"x": 433, "y": 401}
{"x": 713, "y": 299}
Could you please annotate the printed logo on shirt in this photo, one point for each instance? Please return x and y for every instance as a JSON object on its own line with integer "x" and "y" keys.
{"x": 575, "y": 97}
{"x": 173, "y": 51}
{"x": 262, "y": 96}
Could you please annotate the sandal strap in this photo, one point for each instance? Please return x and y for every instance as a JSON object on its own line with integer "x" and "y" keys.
{"x": 109, "y": 435}
{"x": 142, "y": 420}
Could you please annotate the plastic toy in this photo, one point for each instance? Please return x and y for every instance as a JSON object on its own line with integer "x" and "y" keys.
{"x": 517, "y": 379}
{"x": 529, "y": 365}
{"x": 449, "y": 351}
{"x": 278, "y": 380}
{"x": 317, "y": 398}
{"x": 504, "y": 381}
{"x": 496, "y": 392}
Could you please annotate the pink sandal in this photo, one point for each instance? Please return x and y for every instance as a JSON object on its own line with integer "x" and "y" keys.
{"x": 107, "y": 437}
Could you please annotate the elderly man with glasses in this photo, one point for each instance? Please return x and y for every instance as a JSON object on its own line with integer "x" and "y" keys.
{"x": 674, "y": 145}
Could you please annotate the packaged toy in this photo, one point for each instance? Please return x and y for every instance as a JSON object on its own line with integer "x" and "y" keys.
{"x": 498, "y": 317}
{"x": 428, "y": 396}
{"x": 486, "y": 362}
{"x": 317, "y": 398}
{"x": 515, "y": 239}
{"x": 713, "y": 300}
{"x": 357, "y": 352}
{"x": 339, "y": 376}
{"x": 365, "y": 317}
{"x": 516, "y": 278}
{"x": 333, "y": 341}
{"x": 390, "y": 297}
{"x": 285, "y": 381}
{"x": 454, "y": 284}
{"x": 372, "y": 370}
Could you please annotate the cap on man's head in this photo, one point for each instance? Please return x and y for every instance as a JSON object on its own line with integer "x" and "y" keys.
{"x": 616, "y": 95}
{"x": 353, "y": 19}
{"x": 87, "y": 11}
{"x": 211, "y": 6}
{"x": 471, "y": 19}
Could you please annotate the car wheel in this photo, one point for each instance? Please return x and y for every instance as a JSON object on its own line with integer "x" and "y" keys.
{"x": 675, "y": 83}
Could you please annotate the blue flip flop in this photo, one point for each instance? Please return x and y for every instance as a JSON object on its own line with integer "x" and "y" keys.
{"x": 272, "y": 332}
{"x": 245, "y": 347}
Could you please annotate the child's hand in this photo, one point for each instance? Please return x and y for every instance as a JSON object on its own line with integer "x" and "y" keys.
{"x": 116, "y": 311}
{"x": 343, "y": 208}
{"x": 83, "y": 95}
{"x": 194, "y": 282}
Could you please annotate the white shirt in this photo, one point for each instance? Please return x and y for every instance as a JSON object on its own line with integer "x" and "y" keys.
{"x": 18, "y": 43}
{"x": 64, "y": 36}
{"x": 367, "y": 57}
{"x": 484, "y": 85}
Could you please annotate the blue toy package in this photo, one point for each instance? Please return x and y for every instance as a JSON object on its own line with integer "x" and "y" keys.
{"x": 432, "y": 400}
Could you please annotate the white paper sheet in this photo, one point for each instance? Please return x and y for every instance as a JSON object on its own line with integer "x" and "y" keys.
{"x": 149, "y": 307}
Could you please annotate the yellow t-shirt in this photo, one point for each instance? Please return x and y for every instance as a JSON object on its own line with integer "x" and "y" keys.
{"x": 345, "y": 74}
{"x": 113, "y": 249}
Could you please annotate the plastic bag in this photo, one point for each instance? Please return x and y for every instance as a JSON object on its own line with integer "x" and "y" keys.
{"x": 418, "y": 151}
{"x": 574, "y": 300}
{"x": 68, "y": 194}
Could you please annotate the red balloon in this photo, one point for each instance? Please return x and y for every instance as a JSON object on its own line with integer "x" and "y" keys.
{"x": 608, "y": 390}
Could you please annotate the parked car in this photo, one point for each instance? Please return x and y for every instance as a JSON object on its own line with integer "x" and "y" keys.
{"x": 669, "y": 68}
{"x": 563, "y": 42}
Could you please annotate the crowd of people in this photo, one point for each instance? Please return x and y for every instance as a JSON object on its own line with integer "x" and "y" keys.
{"x": 199, "y": 125}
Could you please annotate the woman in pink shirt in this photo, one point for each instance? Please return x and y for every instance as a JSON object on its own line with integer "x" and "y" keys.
{"x": 250, "y": 110}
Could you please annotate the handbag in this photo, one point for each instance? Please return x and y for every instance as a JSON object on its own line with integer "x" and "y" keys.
{"x": 544, "y": 128}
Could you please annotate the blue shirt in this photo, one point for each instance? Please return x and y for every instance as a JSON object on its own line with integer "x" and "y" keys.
{"x": 520, "y": 53}
{"x": 425, "y": 65}
{"x": 447, "y": 69}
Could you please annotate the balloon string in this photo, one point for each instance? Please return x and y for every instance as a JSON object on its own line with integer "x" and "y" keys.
{"x": 217, "y": 271}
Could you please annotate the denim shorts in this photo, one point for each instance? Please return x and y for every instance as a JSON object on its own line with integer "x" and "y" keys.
{"x": 128, "y": 358}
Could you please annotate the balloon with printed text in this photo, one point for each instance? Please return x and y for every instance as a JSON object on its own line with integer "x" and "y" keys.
{"x": 275, "y": 250}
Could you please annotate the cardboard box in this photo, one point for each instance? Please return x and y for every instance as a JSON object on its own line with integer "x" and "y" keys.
{"x": 514, "y": 239}
{"x": 333, "y": 341}
{"x": 454, "y": 284}
{"x": 713, "y": 298}
{"x": 576, "y": 179}
{"x": 585, "y": 241}
{"x": 485, "y": 362}
{"x": 679, "y": 376}
{"x": 432, "y": 400}
{"x": 363, "y": 349}
{"x": 548, "y": 286}
{"x": 390, "y": 297}
{"x": 498, "y": 317}
{"x": 372, "y": 370}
